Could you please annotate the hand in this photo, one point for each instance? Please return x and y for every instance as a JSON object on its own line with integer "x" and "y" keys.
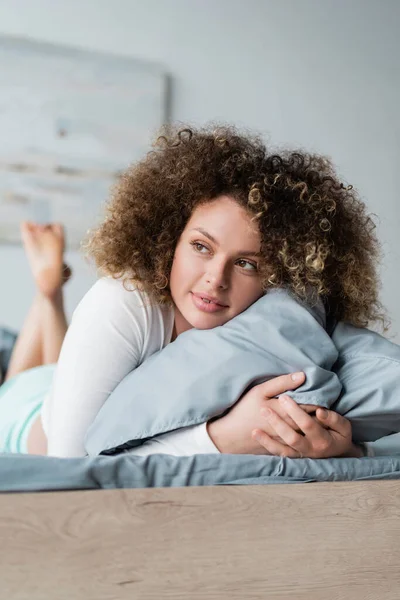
{"x": 232, "y": 434}
{"x": 327, "y": 435}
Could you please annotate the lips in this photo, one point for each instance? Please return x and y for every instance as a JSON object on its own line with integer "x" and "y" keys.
{"x": 207, "y": 303}
{"x": 209, "y": 299}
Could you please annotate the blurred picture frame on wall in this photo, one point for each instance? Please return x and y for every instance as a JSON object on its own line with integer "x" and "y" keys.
{"x": 70, "y": 120}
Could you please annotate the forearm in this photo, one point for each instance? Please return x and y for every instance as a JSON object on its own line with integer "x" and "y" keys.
{"x": 181, "y": 442}
{"x": 232, "y": 433}
{"x": 225, "y": 436}
{"x": 231, "y": 438}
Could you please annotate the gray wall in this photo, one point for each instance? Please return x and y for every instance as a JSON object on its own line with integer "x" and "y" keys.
{"x": 319, "y": 73}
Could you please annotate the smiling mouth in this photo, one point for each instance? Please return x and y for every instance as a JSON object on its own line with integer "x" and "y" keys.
{"x": 207, "y": 304}
{"x": 209, "y": 300}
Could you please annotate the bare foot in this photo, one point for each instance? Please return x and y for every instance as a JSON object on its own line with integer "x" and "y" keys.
{"x": 44, "y": 246}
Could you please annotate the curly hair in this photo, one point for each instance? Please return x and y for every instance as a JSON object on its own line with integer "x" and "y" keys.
{"x": 317, "y": 239}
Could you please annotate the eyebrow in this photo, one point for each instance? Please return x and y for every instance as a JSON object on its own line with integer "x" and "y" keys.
{"x": 212, "y": 239}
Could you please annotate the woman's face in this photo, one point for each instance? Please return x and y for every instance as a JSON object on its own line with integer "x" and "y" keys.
{"x": 214, "y": 274}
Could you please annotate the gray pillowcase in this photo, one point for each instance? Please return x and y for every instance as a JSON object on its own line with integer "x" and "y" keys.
{"x": 203, "y": 373}
{"x": 368, "y": 368}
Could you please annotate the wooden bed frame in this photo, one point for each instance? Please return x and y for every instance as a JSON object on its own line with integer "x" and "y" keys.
{"x": 303, "y": 542}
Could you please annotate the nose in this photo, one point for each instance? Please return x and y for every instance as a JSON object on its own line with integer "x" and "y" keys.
{"x": 217, "y": 274}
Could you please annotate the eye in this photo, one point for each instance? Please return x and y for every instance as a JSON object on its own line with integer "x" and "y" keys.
{"x": 199, "y": 247}
{"x": 247, "y": 265}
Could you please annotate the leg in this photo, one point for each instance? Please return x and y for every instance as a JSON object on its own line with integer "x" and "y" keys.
{"x": 54, "y": 327}
{"x": 27, "y": 352}
{"x": 44, "y": 246}
{"x": 37, "y": 441}
{"x": 45, "y": 327}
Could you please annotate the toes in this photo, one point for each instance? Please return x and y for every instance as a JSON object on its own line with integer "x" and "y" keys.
{"x": 27, "y": 229}
{"x": 58, "y": 229}
{"x": 25, "y": 226}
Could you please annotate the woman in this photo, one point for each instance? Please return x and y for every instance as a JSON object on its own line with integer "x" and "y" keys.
{"x": 198, "y": 231}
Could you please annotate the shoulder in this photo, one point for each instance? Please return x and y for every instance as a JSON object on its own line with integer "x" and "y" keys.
{"x": 130, "y": 311}
{"x": 111, "y": 295}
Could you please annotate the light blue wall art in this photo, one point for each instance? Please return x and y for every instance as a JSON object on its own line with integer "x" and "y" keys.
{"x": 70, "y": 121}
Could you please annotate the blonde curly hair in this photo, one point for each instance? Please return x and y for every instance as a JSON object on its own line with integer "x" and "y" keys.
{"x": 317, "y": 238}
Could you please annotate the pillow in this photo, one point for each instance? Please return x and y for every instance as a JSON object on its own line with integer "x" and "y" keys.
{"x": 204, "y": 372}
{"x": 368, "y": 367}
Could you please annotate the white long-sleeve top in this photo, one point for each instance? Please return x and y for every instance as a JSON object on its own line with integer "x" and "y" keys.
{"x": 113, "y": 330}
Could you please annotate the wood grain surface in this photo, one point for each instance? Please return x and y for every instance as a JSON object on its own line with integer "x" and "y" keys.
{"x": 304, "y": 542}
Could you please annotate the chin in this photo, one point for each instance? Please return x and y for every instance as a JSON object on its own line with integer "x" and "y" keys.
{"x": 198, "y": 322}
{"x": 206, "y": 322}
{"x": 203, "y": 326}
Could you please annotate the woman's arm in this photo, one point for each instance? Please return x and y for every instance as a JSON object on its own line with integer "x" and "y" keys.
{"x": 102, "y": 345}
{"x": 324, "y": 436}
{"x": 245, "y": 430}
{"x": 181, "y": 442}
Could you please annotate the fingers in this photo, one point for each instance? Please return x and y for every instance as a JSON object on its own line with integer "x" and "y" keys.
{"x": 333, "y": 420}
{"x": 280, "y": 385}
{"x": 311, "y": 428}
{"x": 273, "y": 446}
{"x": 309, "y": 408}
{"x": 327, "y": 434}
{"x": 288, "y": 434}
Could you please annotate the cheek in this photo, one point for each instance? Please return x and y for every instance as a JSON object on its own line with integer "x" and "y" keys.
{"x": 183, "y": 270}
{"x": 174, "y": 277}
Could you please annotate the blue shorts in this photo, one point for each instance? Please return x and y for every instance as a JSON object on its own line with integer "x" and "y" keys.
{"x": 21, "y": 400}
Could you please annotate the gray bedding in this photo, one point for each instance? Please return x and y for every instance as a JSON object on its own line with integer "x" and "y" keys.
{"x": 23, "y": 473}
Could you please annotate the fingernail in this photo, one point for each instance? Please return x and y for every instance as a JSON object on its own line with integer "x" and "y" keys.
{"x": 324, "y": 413}
{"x": 257, "y": 436}
{"x": 284, "y": 400}
{"x": 296, "y": 376}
